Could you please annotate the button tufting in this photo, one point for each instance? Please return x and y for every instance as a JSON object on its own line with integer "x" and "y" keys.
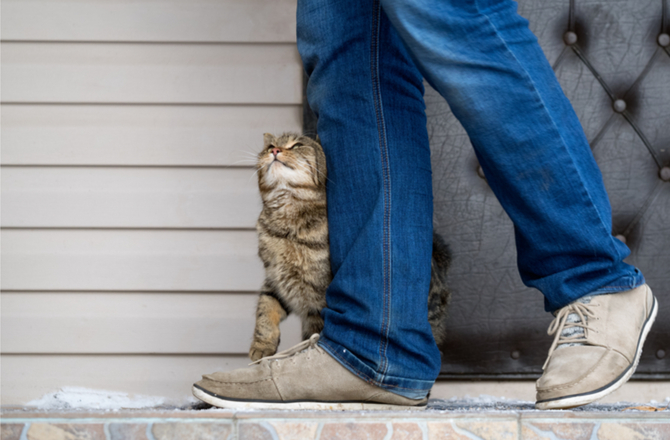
{"x": 621, "y": 238}
{"x": 570, "y": 38}
{"x": 619, "y": 105}
{"x": 515, "y": 354}
{"x": 663, "y": 40}
{"x": 664, "y": 174}
{"x": 660, "y": 354}
{"x": 480, "y": 172}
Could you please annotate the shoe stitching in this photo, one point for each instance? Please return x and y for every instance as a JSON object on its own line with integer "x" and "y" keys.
{"x": 274, "y": 382}
{"x": 241, "y": 383}
{"x": 623, "y": 355}
{"x": 583, "y": 378}
{"x": 571, "y": 384}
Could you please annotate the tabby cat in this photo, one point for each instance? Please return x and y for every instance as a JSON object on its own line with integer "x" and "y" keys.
{"x": 293, "y": 243}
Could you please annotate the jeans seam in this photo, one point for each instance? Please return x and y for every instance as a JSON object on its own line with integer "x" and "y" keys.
{"x": 386, "y": 187}
{"x": 530, "y": 81}
{"x": 364, "y": 376}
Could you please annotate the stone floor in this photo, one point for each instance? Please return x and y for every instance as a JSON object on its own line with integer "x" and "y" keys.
{"x": 442, "y": 420}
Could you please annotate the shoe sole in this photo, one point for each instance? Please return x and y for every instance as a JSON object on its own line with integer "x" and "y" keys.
{"x": 586, "y": 398}
{"x": 222, "y": 402}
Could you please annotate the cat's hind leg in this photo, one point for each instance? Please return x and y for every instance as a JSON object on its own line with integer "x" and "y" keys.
{"x": 311, "y": 323}
{"x": 271, "y": 310}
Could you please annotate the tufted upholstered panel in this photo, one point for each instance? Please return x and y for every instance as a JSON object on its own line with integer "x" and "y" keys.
{"x": 612, "y": 59}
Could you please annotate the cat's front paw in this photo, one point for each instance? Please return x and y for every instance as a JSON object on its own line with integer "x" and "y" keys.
{"x": 261, "y": 349}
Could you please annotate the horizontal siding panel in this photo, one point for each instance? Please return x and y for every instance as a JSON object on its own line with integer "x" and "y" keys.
{"x": 175, "y": 21}
{"x": 157, "y": 260}
{"x": 127, "y": 323}
{"x": 129, "y": 197}
{"x": 140, "y": 134}
{"x": 151, "y": 73}
{"x": 29, "y": 377}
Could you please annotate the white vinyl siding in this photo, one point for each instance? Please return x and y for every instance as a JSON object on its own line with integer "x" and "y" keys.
{"x": 129, "y": 130}
{"x": 129, "y": 197}
{"x": 129, "y": 322}
{"x": 131, "y": 135}
{"x": 178, "y": 21}
{"x": 141, "y": 73}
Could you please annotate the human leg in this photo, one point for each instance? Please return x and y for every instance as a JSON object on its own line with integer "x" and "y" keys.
{"x": 368, "y": 96}
{"x": 481, "y": 56}
{"x": 376, "y": 348}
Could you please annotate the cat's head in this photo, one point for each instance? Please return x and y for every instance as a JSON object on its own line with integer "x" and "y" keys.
{"x": 291, "y": 160}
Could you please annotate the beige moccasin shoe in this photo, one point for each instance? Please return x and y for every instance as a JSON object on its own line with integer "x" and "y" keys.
{"x": 303, "y": 377}
{"x": 597, "y": 347}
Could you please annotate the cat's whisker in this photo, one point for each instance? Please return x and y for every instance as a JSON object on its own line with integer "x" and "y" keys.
{"x": 249, "y": 156}
{"x": 305, "y": 167}
{"x": 254, "y": 173}
{"x": 313, "y": 168}
{"x": 245, "y": 161}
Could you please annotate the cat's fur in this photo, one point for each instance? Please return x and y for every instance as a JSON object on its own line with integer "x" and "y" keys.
{"x": 293, "y": 244}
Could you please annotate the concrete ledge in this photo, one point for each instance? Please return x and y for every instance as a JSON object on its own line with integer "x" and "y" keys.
{"x": 442, "y": 420}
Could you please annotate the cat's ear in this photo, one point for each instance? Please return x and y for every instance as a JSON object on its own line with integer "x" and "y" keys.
{"x": 268, "y": 139}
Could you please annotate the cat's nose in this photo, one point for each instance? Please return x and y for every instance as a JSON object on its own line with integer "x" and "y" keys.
{"x": 275, "y": 151}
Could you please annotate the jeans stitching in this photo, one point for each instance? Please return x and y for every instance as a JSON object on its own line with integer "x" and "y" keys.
{"x": 386, "y": 187}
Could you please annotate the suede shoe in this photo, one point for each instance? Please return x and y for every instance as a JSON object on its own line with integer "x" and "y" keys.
{"x": 597, "y": 347}
{"x": 302, "y": 377}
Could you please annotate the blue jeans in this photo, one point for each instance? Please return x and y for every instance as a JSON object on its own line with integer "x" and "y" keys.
{"x": 365, "y": 60}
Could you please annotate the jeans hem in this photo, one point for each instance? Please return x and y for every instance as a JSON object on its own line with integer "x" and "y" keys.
{"x": 410, "y": 388}
{"x": 623, "y": 284}
{"x": 632, "y": 279}
{"x": 628, "y": 283}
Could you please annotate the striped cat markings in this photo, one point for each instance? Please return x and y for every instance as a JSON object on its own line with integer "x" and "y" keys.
{"x": 293, "y": 244}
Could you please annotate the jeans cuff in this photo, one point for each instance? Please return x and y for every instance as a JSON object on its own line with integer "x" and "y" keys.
{"x": 410, "y": 388}
{"x": 622, "y": 285}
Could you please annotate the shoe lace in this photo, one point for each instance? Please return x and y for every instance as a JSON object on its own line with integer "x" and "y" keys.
{"x": 581, "y": 311}
{"x": 304, "y": 345}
